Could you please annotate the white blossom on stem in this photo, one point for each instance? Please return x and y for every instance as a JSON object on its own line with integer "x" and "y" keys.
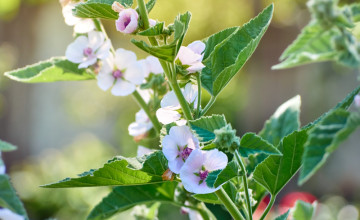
{"x": 152, "y": 65}
{"x": 81, "y": 25}
{"x": 178, "y": 145}
{"x": 86, "y": 50}
{"x": 170, "y": 105}
{"x": 122, "y": 72}
{"x": 7, "y": 214}
{"x": 141, "y": 125}
{"x": 357, "y": 101}
{"x": 127, "y": 22}
{"x": 198, "y": 166}
{"x": 192, "y": 56}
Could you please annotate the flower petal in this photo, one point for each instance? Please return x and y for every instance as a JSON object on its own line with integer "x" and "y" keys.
{"x": 88, "y": 62}
{"x": 122, "y": 88}
{"x": 197, "y": 67}
{"x": 190, "y": 92}
{"x": 75, "y": 50}
{"x": 197, "y": 47}
{"x": 154, "y": 65}
{"x": 105, "y": 81}
{"x": 70, "y": 19}
{"x": 141, "y": 151}
{"x": 182, "y": 136}
{"x": 170, "y": 101}
{"x": 169, "y": 148}
{"x": 167, "y": 116}
{"x": 104, "y": 51}
{"x": 96, "y": 39}
{"x": 215, "y": 160}
{"x": 84, "y": 26}
{"x": 135, "y": 73}
{"x": 124, "y": 58}
{"x": 176, "y": 165}
{"x": 187, "y": 56}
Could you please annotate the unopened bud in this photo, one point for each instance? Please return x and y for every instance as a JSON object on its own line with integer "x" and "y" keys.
{"x": 168, "y": 175}
{"x": 117, "y": 7}
{"x": 226, "y": 139}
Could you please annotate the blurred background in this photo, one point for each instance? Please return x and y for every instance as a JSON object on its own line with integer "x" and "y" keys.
{"x": 65, "y": 128}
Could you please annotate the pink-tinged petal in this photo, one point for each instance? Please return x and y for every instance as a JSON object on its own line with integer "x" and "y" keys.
{"x": 141, "y": 151}
{"x": 75, "y": 50}
{"x": 197, "y": 67}
{"x": 170, "y": 101}
{"x": 167, "y": 116}
{"x": 169, "y": 148}
{"x": 124, "y": 58}
{"x": 357, "y": 100}
{"x": 128, "y": 21}
{"x": 122, "y": 88}
{"x": 215, "y": 160}
{"x": 197, "y": 46}
{"x": 187, "y": 56}
{"x": 107, "y": 65}
{"x": 88, "y": 62}
{"x": 190, "y": 92}
{"x": 154, "y": 65}
{"x": 176, "y": 165}
{"x": 84, "y": 26}
{"x": 96, "y": 39}
{"x": 135, "y": 73}
{"x": 182, "y": 136}
{"x": 104, "y": 51}
{"x": 105, "y": 81}
{"x": 152, "y": 22}
{"x": 192, "y": 165}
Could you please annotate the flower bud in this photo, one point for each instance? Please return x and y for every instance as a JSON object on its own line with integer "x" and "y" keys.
{"x": 226, "y": 139}
{"x": 117, "y": 7}
{"x": 168, "y": 175}
{"x": 127, "y": 22}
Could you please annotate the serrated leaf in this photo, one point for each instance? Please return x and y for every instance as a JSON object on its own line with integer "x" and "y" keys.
{"x": 205, "y": 126}
{"x": 185, "y": 21}
{"x": 303, "y": 210}
{"x": 324, "y": 138}
{"x": 5, "y": 146}
{"x": 251, "y": 143}
{"x": 150, "y": 5}
{"x": 165, "y": 52}
{"x": 153, "y": 31}
{"x": 125, "y": 197}
{"x": 99, "y": 9}
{"x": 229, "y": 50}
{"x": 120, "y": 171}
{"x": 276, "y": 171}
{"x": 229, "y": 188}
{"x": 283, "y": 216}
{"x": 55, "y": 69}
{"x": 218, "y": 177}
{"x": 8, "y": 197}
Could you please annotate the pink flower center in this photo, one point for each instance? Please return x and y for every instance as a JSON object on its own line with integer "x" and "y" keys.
{"x": 117, "y": 74}
{"x": 88, "y": 51}
{"x": 203, "y": 174}
{"x": 186, "y": 153}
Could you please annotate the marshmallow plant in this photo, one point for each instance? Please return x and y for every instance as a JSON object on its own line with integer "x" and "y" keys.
{"x": 199, "y": 159}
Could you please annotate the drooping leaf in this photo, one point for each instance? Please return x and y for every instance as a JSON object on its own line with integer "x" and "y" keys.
{"x": 303, "y": 210}
{"x": 165, "y": 52}
{"x": 120, "y": 171}
{"x": 205, "y": 126}
{"x": 153, "y": 31}
{"x": 125, "y": 197}
{"x": 99, "y": 9}
{"x": 230, "y": 49}
{"x": 8, "y": 197}
{"x": 324, "y": 138}
{"x": 276, "y": 171}
{"x": 218, "y": 177}
{"x": 283, "y": 216}
{"x": 5, "y": 146}
{"x": 55, "y": 69}
{"x": 212, "y": 198}
{"x": 251, "y": 143}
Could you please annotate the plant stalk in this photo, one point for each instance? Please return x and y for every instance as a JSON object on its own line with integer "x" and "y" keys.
{"x": 245, "y": 181}
{"x": 208, "y": 105}
{"x": 198, "y": 109}
{"x": 228, "y": 203}
{"x": 268, "y": 208}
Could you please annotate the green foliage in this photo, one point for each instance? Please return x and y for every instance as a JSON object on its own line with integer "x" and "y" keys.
{"x": 205, "y": 126}
{"x": 124, "y": 197}
{"x": 229, "y": 188}
{"x": 55, "y": 69}
{"x": 303, "y": 210}
{"x": 8, "y": 197}
{"x": 355, "y": 11}
{"x": 276, "y": 171}
{"x": 99, "y": 9}
{"x": 156, "y": 30}
{"x": 251, "y": 143}
{"x": 5, "y": 146}
{"x": 120, "y": 171}
{"x": 218, "y": 177}
{"x": 227, "y": 51}
{"x": 325, "y": 138}
{"x": 283, "y": 216}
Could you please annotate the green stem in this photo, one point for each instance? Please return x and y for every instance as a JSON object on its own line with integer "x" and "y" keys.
{"x": 268, "y": 208}
{"x": 208, "y": 105}
{"x": 199, "y": 95}
{"x": 228, "y": 203}
{"x": 245, "y": 181}
{"x": 144, "y": 106}
{"x": 145, "y": 19}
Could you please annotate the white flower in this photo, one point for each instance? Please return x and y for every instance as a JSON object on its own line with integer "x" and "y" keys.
{"x": 357, "y": 101}
{"x": 141, "y": 125}
{"x": 2, "y": 166}
{"x": 6, "y": 214}
{"x": 152, "y": 65}
{"x": 81, "y": 25}
{"x": 123, "y": 72}
{"x": 178, "y": 145}
{"x": 193, "y": 215}
{"x": 87, "y": 50}
{"x": 128, "y": 21}
{"x": 197, "y": 167}
{"x": 192, "y": 56}
{"x": 141, "y": 151}
{"x": 170, "y": 104}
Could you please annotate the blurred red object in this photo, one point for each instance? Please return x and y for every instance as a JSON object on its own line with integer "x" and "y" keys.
{"x": 289, "y": 200}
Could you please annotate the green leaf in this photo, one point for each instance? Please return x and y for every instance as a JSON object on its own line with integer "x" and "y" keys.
{"x": 304, "y": 210}
{"x": 205, "y": 126}
{"x": 153, "y": 31}
{"x": 355, "y": 11}
{"x": 229, "y": 188}
{"x": 276, "y": 171}
{"x": 283, "y": 216}
{"x": 8, "y": 197}
{"x": 124, "y": 197}
{"x": 99, "y": 9}
{"x": 179, "y": 35}
{"x": 226, "y": 52}
{"x": 55, "y": 69}
{"x": 5, "y": 146}
{"x": 250, "y": 143}
{"x": 314, "y": 44}
{"x": 283, "y": 122}
{"x": 165, "y": 52}
{"x": 120, "y": 171}
{"x": 218, "y": 177}
{"x": 325, "y": 138}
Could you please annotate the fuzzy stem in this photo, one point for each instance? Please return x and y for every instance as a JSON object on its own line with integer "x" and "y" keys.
{"x": 198, "y": 110}
{"x": 268, "y": 208}
{"x": 228, "y": 203}
{"x": 248, "y": 201}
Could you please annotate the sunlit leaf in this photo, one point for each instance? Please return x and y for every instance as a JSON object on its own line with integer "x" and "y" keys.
{"x": 205, "y": 126}
{"x": 99, "y": 9}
